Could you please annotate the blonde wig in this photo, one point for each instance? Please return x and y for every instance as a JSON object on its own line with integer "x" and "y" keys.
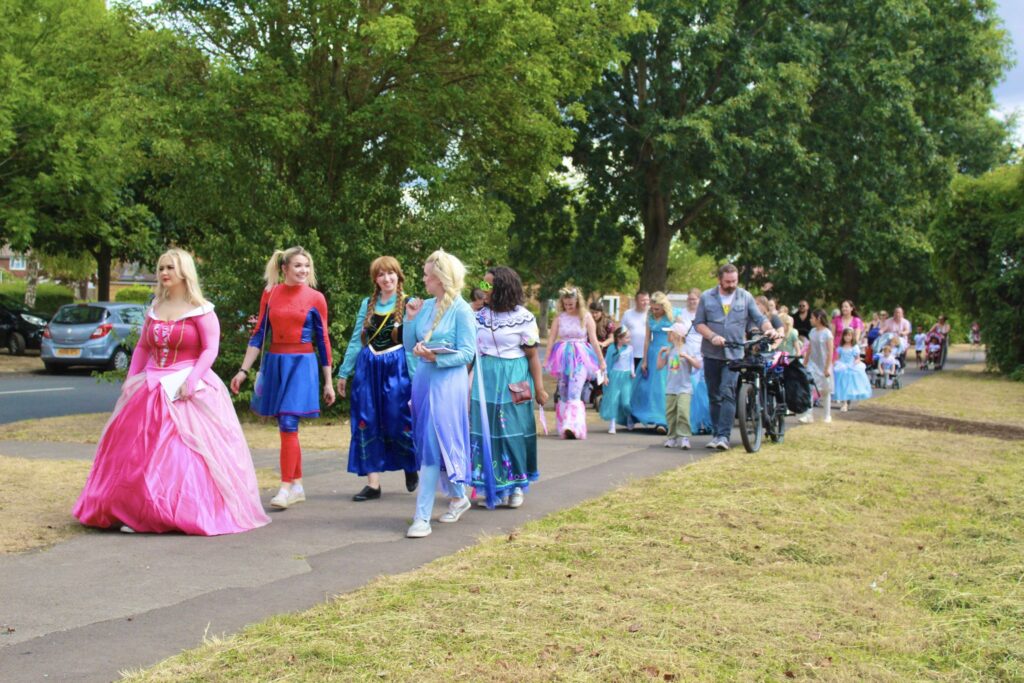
{"x": 452, "y": 274}
{"x": 186, "y": 267}
{"x": 282, "y": 257}
{"x": 661, "y": 299}
{"x": 569, "y": 292}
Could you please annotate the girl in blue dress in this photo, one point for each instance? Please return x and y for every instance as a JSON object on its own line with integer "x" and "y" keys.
{"x": 376, "y": 359}
{"x": 648, "y": 401}
{"x": 441, "y": 333}
{"x": 851, "y": 377}
{"x": 618, "y": 392}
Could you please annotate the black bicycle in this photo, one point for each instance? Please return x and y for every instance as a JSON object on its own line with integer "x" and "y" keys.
{"x": 760, "y": 394}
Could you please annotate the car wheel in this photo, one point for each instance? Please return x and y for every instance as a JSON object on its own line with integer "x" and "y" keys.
{"x": 55, "y": 368}
{"x": 16, "y": 344}
{"x": 120, "y": 360}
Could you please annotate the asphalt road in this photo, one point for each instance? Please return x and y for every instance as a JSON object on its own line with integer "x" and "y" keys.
{"x": 25, "y": 396}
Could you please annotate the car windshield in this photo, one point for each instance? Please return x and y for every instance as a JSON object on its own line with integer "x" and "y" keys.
{"x": 79, "y": 315}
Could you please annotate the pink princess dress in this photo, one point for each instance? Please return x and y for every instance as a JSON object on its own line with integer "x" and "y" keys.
{"x": 173, "y": 465}
{"x": 573, "y": 362}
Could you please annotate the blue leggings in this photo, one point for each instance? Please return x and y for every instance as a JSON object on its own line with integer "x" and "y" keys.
{"x": 288, "y": 423}
{"x": 429, "y": 475}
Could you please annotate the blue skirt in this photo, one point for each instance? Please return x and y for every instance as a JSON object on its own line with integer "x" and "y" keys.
{"x": 648, "y": 400}
{"x": 700, "y": 405}
{"x": 440, "y": 420}
{"x": 513, "y": 429}
{"x": 851, "y": 382}
{"x": 615, "y": 400}
{"x": 288, "y": 384}
{"x": 381, "y": 416}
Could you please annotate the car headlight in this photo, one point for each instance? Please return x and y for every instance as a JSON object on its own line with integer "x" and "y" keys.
{"x": 33, "y": 319}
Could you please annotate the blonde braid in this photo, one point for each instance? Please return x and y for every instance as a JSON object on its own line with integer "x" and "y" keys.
{"x": 439, "y": 309}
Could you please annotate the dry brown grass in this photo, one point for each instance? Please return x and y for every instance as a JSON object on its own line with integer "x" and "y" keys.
{"x": 36, "y": 497}
{"x": 315, "y": 434}
{"x": 852, "y": 552}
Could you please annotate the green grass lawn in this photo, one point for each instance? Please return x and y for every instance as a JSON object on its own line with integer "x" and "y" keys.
{"x": 852, "y": 552}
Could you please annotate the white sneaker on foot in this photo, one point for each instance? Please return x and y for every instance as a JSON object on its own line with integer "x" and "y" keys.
{"x": 125, "y": 529}
{"x": 684, "y": 444}
{"x": 456, "y": 509}
{"x": 280, "y": 501}
{"x": 671, "y": 443}
{"x": 517, "y": 498}
{"x": 713, "y": 443}
{"x": 611, "y": 430}
{"x": 845, "y": 407}
{"x": 296, "y": 495}
{"x": 827, "y": 418}
{"x": 722, "y": 445}
{"x": 806, "y": 418}
{"x": 418, "y": 529}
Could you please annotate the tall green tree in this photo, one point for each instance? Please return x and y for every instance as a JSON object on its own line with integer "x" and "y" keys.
{"x": 806, "y": 138}
{"x": 979, "y": 252}
{"x": 73, "y": 110}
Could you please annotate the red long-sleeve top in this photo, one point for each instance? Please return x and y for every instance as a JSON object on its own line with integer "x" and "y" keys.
{"x": 298, "y": 321}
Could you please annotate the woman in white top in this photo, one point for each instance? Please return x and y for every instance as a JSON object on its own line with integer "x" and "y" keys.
{"x": 508, "y": 381}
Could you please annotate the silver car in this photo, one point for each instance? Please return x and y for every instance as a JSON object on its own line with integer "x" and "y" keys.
{"x": 96, "y": 334}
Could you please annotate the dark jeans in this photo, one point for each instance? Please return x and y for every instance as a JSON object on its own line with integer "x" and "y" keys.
{"x": 721, "y": 383}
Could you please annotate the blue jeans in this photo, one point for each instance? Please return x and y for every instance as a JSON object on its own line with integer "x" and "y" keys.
{"x": 429, "y": 474}
{"x": 721, "y": 383}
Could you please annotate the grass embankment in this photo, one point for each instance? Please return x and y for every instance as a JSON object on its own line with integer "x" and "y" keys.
{"x": 852, "y": 552}
{"x": 315, "y": 434}
{"x": 36, "y": 497}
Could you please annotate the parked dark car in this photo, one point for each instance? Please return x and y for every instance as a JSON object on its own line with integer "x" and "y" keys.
{"x": 96, "y": 334}
{"x": 20, "y": 328}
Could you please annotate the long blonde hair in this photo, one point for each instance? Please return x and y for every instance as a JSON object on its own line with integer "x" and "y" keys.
{"x": 385, "y": 264}
{"x": 282, "y": 257}
{"x": 452, "y": 274}
{"x": 186, "y": 267}
{"x": 569, "y": 292}
{"x": 661, "y": 299}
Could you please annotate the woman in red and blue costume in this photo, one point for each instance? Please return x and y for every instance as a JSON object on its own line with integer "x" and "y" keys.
{"x": 295, "y": 316}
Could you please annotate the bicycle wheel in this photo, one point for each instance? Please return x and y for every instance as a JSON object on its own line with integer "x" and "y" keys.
{"x": 748, "y": 410}
{"x": 776, "y": 415}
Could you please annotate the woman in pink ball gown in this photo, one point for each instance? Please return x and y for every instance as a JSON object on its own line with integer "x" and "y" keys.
{"x": 172, "y": 456}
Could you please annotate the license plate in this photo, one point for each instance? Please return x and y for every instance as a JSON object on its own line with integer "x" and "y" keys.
{"x": 69, "y": 353}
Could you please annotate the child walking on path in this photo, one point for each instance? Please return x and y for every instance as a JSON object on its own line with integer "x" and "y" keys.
{"x": 618, "y": 391}
{"x": 678, "y": 389}
{"x": 851, "y": 377}
{"x": 818, "y": 356}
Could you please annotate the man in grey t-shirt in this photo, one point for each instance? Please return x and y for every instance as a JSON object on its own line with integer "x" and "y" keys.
{"x": 724, "y": 314}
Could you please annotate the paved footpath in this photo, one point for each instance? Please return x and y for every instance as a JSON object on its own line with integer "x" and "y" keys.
{"x": 103, "y": 602}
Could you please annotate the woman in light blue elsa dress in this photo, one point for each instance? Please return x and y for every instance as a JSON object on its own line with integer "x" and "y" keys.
{"x": 441, "y": 333}
{"x": 648, "y": 401}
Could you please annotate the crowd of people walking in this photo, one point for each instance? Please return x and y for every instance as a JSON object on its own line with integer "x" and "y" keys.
{"x": 443, "y": 389}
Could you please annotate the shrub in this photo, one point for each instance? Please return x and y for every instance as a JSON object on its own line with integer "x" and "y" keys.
{"x": 49, "y": 296}
{"x": 134, "y": 294}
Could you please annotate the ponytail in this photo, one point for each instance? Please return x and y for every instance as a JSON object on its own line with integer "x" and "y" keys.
{"x": 272, "y": 273}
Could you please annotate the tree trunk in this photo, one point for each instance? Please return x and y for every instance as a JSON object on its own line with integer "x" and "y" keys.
{"x": 104, "y": 259}
{"x": 32, "y": 283}
{"x": 850, "y": 280}
{"x": 657, "y": 232}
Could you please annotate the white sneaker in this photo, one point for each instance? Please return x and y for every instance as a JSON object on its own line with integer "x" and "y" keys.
{"x": 845, "y": 407}
{"x": 722, "y": 445}
{"x": 826, "y": 419}
{"x": 517, "y": 498}
{"x": 713, "y": 443}
{"x": 418, "y": 529}
{"x": 806, "y": 418}
{"x": 671, "y": 443}
{"x": 684, "y": 444}
{"x": 125, "y": 529}
{"x": 611, "y": 430}
{"x": 296, "y": 495}
{"x": 280, "y": 501}
{"x": 456, "y": 509}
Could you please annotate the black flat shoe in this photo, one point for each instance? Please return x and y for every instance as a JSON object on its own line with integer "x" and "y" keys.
{"x": 412, "y": 480}
{"x": 368, "y": 493}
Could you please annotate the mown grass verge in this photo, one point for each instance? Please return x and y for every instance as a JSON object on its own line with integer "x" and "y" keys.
{"x": 853, "y": 552}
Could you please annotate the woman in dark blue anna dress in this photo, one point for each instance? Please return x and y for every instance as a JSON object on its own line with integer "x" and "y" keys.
{"x": 379, "y": 367}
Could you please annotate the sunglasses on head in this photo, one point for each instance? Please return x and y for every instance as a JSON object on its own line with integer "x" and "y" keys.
{"x": 485, "y": 286}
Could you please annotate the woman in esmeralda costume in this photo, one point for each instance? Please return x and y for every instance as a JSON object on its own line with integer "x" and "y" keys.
{"x": 441, "y": 333}
{"x": 648, "y": 402}
{"x": 377, "y": 364}
{"x": 505, "y": 460}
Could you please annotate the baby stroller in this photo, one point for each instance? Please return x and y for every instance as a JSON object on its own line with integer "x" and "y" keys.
{"x": 878, "y": 377}
{"x": 934, "y": 351}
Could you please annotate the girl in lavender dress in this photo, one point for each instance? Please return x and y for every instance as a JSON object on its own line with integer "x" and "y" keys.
{"x": 173, "y": 457}
{"x": 573, "y": 361}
